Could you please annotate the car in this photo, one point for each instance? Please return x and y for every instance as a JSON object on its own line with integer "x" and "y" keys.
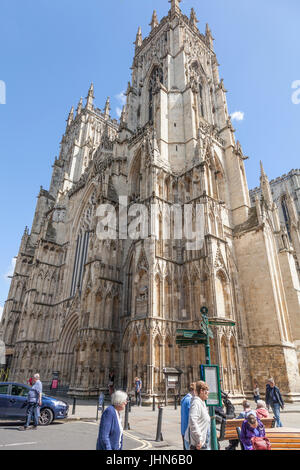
{"x": 13, "y": 404}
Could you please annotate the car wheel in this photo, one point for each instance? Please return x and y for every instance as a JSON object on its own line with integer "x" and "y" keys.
{"x": 46, "y": 417}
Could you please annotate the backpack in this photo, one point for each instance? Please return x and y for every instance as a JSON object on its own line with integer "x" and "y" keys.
{"x": 260, "y": 443}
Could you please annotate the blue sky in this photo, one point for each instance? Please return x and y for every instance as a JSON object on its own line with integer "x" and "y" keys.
{"x": 51, "y": 50}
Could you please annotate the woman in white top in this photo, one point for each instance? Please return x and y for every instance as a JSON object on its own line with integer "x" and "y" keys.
{"x": 199, "y": 420}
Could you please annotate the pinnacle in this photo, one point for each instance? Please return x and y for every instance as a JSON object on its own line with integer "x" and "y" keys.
{"x": 262, "y": 171}
{"x": 139, "y": 39}
{"x": 175, "y": 5}
{"x": 154, "y": 21}
{"x": 193, "y": 18}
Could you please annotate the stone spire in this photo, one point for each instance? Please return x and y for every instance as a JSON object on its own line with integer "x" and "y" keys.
{"x": 123, "y": 124}
{"x": 265, "y": 187}
{"x": 90, "y": 97}
{"x": 209, "y": 38}
{"x": 175, "y": 6}
{"x": 107, "y": 108}
{"x": 154, "y": 21}
{"x": 291, "y": 205}
{"x": 79, "y": 107}
{"x": 70, "y": 117}
{"x": 139, "y": 39}
{"x": 193, "y": 19}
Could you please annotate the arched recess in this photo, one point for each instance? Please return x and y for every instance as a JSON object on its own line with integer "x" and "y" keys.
{"x": 142, "y": 292}
{"x": 157, "y": 304}
{"x": 156, "y": 378}
{"x": 135, "y": 175}
{"x": 129, "y": 290}
{"x": 66, "y": 349}
{"x": 167, "y": 298}
{"x": 14, "y": 333}
{"x": 80, "y": 239}
{"x": 224, "y": 359}
{"x": 107, "y": 311}
{"x": 125, "y": 360}
{"x": 233, "y": 364}
{"x": 135, "y": 360}
{"x": 223, "y": 303}
{"x": 155, "y": 79}
{"x": 115, "y": 312}
{"x": 143, "y": 353}
{"x": 220, "y": 179}
{"x": 168, "y": 349}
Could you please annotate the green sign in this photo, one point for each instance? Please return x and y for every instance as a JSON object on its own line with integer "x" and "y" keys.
{"x": 221, "y": 322}
{"x": 211, "y": 375}
{"x": 190, "y": 342}
{"x": 206, "y": 330}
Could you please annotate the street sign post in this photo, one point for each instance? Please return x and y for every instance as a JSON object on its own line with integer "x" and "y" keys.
{"x": 209, "y": 373}
{"x": 207, "y": 330}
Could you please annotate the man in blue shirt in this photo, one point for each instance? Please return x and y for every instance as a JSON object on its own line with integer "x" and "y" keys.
{"x": 138, "y": 391}
{"x": 34, "y": 401}
{"x": 185, "y": 411}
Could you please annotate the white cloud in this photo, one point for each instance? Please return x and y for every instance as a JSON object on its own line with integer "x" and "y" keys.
{"x": 121, "y": 97}
{"x": 237, "y": 116}
{"x": 119, "y": 112}
{"x": 11, "y": 270}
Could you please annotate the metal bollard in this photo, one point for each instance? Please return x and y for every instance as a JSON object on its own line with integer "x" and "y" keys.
{"x": 153, "y": 404}
{"x": 74, "y": 405}
{"x": 175, "y": 402}
{"x": 129, "y": 403}
{"x": 126, "y": 423}
{"x": 159, "y": 436}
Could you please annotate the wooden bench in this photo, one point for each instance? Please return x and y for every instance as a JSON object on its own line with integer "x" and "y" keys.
{"x": 284, "y": 440}
{"x": 228, "y": 427}
{"x": 280, "y": 439}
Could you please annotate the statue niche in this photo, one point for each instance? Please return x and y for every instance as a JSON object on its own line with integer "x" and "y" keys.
{"x": 141, "y": 289}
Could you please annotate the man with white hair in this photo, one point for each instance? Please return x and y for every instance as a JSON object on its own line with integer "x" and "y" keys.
{"x": 34, "y": 401}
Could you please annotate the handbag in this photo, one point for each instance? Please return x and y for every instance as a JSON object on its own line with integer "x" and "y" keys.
{"x": 260, "y": 443}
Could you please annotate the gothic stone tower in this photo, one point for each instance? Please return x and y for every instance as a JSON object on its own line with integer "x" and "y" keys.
{"x": 87, "y": 304}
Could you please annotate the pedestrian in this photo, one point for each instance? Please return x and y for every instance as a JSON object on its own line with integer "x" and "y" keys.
{"x": 111, "y": 382}
{"x": 251, "y": 427}
{"x": 34, "y": 401}
{"x": 261, "y": 411}
{"x": 30, "y": 381}
{"x": 198, "y": 430}
{"x": 110, "y": 436}
{"x": 138, "y": 391}
{"x": 256, "y": 395}
{"x": 247, "y": 411}
{"x": 274, "y": 400}
{"x": 184, "y": 411}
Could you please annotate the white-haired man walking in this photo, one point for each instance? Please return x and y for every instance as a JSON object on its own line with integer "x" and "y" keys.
{"x": 34, "y": 401}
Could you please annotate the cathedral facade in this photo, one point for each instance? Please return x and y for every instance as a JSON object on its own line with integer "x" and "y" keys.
{"x": 82, "y": 304}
